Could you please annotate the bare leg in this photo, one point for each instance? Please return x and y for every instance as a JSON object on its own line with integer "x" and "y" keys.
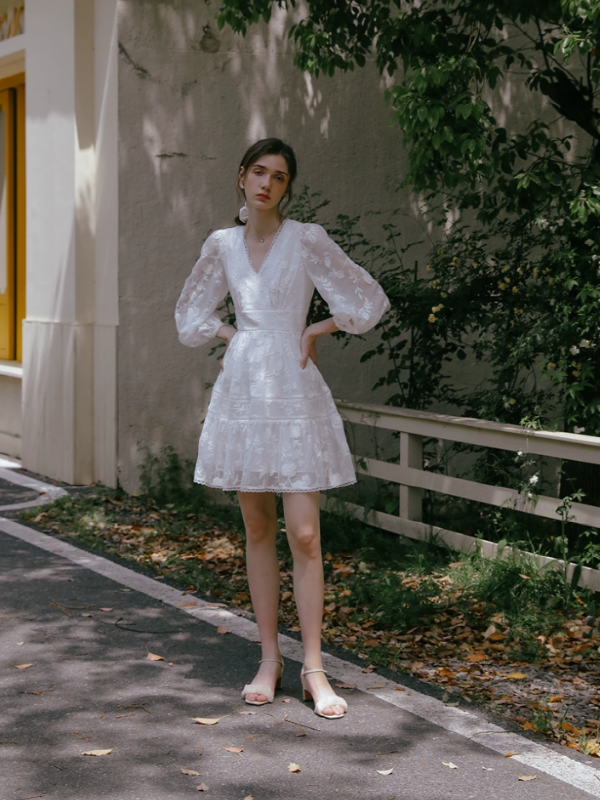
{"x": 304, "y": 535}
{"x": 260, "y": 520}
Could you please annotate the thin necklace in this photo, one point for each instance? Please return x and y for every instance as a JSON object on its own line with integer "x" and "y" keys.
{"x": 269, "y": 234}
{"x": 277, "y": 232}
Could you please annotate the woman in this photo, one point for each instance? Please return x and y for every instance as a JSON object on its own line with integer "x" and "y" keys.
{"x": 272, "y": 425}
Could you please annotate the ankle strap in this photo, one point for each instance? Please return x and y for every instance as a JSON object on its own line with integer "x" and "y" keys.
{"x": 276, "y": 660}
{"x": 308, "y": 671}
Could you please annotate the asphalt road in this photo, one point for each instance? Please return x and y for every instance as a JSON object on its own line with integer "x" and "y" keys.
{"x": 85, "y": 627}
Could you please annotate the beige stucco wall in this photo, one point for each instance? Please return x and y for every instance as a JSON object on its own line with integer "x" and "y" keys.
{"x": 191, "y": 99}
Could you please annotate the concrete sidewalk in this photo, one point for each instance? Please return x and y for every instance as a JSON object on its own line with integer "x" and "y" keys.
{"x": 86, "y": 625}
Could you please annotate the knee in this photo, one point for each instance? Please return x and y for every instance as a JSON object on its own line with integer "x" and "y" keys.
{"x": 260, "y": 529}
{"x": 305, "y": 540}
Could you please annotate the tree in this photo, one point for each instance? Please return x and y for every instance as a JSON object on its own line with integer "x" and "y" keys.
{"x": 520, "y": 267}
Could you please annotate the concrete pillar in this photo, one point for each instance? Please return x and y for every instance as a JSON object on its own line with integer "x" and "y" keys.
{"x": 64, "y": 359}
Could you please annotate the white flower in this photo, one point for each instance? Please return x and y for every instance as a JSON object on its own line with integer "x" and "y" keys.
{"x": 574, "y": 350}
{"x": 520, "y": 453}
{"x": 533, "y": 480}
{"x": 585, "y": 343}
{"x": 589, "y": 242}
{"x": 578, "y": 430}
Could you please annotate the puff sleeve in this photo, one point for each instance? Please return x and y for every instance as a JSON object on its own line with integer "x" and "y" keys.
{"x": 206, "y": 287}
{"x": 356, "y": 301}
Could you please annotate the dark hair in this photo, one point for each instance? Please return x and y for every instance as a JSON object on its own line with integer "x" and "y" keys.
{"x": 267, "y": 147}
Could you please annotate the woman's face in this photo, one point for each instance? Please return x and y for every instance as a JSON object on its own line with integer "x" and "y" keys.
{"x": 265, "y": 182}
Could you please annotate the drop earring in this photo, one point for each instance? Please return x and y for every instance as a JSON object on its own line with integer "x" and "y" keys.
{"x": 243, "y": 213}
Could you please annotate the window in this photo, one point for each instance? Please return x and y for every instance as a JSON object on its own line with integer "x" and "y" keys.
{"x": 12, "y": 216}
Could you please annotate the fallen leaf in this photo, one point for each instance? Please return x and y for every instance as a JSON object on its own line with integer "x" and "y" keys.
{"x": 248, "y": 797}
{"x": 255, "y": 735}
{"x": 489, "y": 769}
{"x": 97, "y": 752}
{"x": 476, "y": 657}
{"x": 106, "y": 609}
{"x": 449, "y": 764}
{"x": 188, "y": 771}
{"x": 293, "y": 767}
{"x": 154, "y": 657}
{"x": 286, "y": 700}
{"x": 509, "y": 755}
{"x": 202, "y": 787}
{"x": 345, "y": 685}
{"x": 400, "y": 689}
{"x": 376, "y": 686}
{"x": 527, "y": 777}
{"x": 87, "y": 615}
{"x": 187, "y": 605}
{"x": 23, "y": 666}
{"x": 206, "y": 720}
{"x": 221, "y": 629}
{"x": 234, "y": 749}
{"x": 298, "y": 735}
{"x": 516, "y": 676}
{"x": 385, "y": 771}
{"x": 368, "y": 669}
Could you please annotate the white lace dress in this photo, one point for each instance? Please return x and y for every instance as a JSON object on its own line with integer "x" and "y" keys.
{"x": 271, "y": 426}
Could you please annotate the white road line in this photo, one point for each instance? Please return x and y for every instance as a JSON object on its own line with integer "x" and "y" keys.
{"x": 47, "y": 493}
{"x": 457, "y": 720}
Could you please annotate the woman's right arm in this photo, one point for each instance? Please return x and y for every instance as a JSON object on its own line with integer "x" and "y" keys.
{"x": 205, "y": 289}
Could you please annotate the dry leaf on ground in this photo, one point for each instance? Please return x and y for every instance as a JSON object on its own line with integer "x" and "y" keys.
{"x": 477, "y": 657}
{"x": 293, "y": 767}
{"x": 202, "y": 787}
{"x": 527, "y": 777}
{"x": 385, "y": 771}
{"x": 188, "y": 771}
{"x": 206, "y": 720}
{"x": 516, "y": 676}
{"x": 489, "y": 769}
{"x": 449, "y": 764}
{"x": 154, "y": 657}
{"x": 299, "y": 735}
{"x": 509, "y": 755}
{"x": 345, "y": 685}
{"x": 23, "y": 666}
{"x": 376, "y": 686}
{"x": 106, "y": 609}
{"x": 97, "y": 752}
{"x": 221, "y": 629}
{"x": 234, "y": 749}
{"x": 248, "y": 797}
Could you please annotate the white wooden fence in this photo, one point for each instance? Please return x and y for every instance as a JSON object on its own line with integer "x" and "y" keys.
{"x": 413, "y": 426}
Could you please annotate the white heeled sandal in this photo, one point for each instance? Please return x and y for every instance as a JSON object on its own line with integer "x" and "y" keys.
{"x": 327, "y": 701}
{"x": 262, "y": 688}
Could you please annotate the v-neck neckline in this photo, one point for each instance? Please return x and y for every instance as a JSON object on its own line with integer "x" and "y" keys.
{"x": 267, "y": 254}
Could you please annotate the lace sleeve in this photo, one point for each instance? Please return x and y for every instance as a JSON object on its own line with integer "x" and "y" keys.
{"x": 356, "y": 301}
{"x": 205, "y": 288}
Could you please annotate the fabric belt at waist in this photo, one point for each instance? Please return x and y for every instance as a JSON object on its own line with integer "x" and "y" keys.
{"x": 290, "y": 319}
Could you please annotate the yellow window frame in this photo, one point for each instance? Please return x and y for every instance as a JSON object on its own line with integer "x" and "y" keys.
{"x": 12, "y": 301}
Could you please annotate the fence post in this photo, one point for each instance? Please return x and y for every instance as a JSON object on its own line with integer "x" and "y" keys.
{"x": 411, "y": 455}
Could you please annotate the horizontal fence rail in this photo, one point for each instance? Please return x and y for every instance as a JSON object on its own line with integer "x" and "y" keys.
{"x": 413, "y": 479}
